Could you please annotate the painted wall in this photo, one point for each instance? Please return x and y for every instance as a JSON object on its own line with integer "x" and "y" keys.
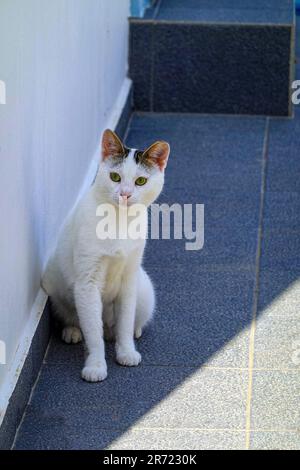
{"x": 63, "y": 63}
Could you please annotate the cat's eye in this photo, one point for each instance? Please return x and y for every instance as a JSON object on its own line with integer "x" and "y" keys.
{"x": 141, "y": 181}
{"x": 115, "y": 177}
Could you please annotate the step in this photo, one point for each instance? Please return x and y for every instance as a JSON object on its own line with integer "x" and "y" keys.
{"x": 199, "y": 56}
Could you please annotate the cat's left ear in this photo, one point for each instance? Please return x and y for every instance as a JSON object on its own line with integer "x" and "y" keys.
{"x": 111, "y": 144}
{"x": 158, "y": 154}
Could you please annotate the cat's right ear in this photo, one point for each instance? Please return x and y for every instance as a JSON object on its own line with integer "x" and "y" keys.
{"x": 111, "y": 144}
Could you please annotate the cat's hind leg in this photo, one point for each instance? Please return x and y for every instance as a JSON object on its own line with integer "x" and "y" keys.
{"x": 71, "y": 333}
{"x": 63, "y": 309}
{"x": 145, "y": 303}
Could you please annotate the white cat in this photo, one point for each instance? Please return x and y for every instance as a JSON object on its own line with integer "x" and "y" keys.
{"x": 98, "y": 285}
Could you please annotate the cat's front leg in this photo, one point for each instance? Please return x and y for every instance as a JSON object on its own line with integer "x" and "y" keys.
{"x": 89, "y": 310}
{"x": 125, "y": 306}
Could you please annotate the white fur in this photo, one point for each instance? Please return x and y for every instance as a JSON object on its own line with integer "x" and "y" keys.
{"x": 98, "y": 285}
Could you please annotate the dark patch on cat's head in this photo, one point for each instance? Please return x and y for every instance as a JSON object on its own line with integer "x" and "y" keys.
{"x": 141, "y": 159}
{"x": 117, "y": 160}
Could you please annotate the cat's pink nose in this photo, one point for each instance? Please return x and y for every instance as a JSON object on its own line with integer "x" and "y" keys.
{"x": 125, "y": 196}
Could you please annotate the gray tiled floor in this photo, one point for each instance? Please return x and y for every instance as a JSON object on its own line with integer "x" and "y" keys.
{"x": 220, "y": 367}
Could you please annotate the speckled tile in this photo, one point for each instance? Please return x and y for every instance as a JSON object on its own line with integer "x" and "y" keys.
{"x": 242, "y": 64}
{"x": 283, "y": 150}
{"x": 201, "y": 342}
{"x": 208, "y": 399}
{"x": 281, "y": 250}
{"x": 140, "y": 64}
{"x": 228, "y": 247}
{"x": 248, "y": 126}
{"x": 197, "y": 82}
{"x": 181, "y": 439}
{"x": 208, "y": 140}
{"x": 277, "y": 343}
{"x": 231, "y": 208}
{"x": 82, "y": 434}
{"x": 279, "y": 294}
{"x": 211, "y": 321}
{"x": 282, "y": 210}
{"x": 283, "y": 178}
{"x": 147, "y": 387}
{"x": 275, "y": 400}
{"x": 264, "y": 440}
{"x": 54, "y": 432}
{"x": 212, "y": 327}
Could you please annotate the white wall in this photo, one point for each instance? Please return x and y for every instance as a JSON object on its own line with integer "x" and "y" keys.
{"x": 64, "y": 63}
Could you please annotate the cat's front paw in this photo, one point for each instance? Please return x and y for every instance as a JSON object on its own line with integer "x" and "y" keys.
{"x": 128, "y": 358}
{"x": 94, "y": 373}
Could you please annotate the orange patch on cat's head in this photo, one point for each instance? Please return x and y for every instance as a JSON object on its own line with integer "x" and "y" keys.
{"x": 111, "y": 144}
{"x": 158, "y": 154}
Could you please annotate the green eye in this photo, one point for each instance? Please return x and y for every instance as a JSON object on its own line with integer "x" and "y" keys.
{"x": 141, "y": 181}
{"x": 115, "y": 177}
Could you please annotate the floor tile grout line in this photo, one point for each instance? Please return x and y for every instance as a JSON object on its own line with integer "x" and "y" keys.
{"x": 200, "y": 429}
{"x": 256, "y": 289}
{"x": 192, "y": 366}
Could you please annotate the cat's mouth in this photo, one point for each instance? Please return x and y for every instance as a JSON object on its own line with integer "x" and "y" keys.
{"x": 125, "y": 202}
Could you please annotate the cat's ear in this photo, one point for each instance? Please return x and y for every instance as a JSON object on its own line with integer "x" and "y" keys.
{"x": 158, "y": 154}
{"x": 111, "y": 144}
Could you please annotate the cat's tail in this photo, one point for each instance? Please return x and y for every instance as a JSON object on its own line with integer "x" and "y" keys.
{"x": 48, "y": 280}
{"x": 145, "y": 303}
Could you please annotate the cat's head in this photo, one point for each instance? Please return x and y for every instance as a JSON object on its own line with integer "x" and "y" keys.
{"x": 130, "y": 176}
